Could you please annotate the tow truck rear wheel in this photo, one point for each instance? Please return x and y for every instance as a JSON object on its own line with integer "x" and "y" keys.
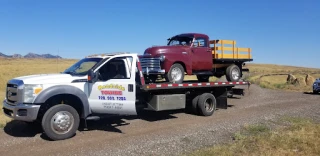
{"x": 233, "y": 73}
{"x": 60, "y": 122}
{"x": 206, "y": 104}
{"x": 176, "y": 73}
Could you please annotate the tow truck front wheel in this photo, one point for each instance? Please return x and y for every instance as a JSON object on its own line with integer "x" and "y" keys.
{"x": 60, "y": 122}
{"x": 176, "y": 73}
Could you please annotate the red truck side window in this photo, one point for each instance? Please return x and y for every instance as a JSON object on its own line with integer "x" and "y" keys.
{"x": 200, "y": 42}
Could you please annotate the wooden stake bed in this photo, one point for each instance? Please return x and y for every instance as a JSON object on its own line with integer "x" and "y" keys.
{"x": 229, "y": 52}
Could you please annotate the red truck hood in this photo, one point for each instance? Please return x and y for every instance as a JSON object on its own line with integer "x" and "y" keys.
{"x": 158, "y": 50}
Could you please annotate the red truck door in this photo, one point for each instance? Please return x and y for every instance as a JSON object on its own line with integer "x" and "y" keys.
{"x": 201, "y": 55}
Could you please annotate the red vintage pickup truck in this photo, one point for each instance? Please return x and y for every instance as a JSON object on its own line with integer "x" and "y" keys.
{"x": 192, "y": 53}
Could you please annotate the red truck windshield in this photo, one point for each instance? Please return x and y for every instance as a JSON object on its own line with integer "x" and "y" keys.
{"x": 179, "y": 40}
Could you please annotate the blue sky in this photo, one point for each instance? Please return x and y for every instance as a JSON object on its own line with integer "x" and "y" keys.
{"x": 279, "y": 32}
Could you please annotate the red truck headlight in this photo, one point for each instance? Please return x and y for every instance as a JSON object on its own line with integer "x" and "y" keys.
{"x": 162, "y": 58}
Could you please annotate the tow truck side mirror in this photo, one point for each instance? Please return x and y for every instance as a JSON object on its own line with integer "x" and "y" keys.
{"x": 92, "y": 77}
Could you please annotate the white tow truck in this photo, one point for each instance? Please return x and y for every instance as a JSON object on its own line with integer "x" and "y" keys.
{"x": 100, "y": 85}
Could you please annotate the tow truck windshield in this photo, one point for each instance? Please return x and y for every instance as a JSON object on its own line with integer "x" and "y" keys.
{"x": 83, "y": 66}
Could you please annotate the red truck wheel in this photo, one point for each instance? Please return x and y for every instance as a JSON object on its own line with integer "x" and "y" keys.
{"x": 176, "y": 73}
{"x": 233, "y": 73}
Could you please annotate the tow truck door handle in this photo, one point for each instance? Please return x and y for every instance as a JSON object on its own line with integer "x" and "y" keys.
{"x": 184, "y": 52}
{"x": 130, "y": 88}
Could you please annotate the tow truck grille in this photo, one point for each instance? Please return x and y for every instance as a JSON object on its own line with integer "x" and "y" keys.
{"x": 150, "y": 64}
{"x": 12, "y": 93}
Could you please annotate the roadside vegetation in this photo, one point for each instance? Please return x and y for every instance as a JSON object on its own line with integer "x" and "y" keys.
{"x": 275, "y": 77}
{"x": 287, "y": 136}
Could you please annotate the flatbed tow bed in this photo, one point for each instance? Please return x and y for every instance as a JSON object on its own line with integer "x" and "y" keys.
{"x": 192, "y": 90}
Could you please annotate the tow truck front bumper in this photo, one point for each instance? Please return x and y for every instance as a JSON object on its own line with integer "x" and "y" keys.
{"x": 23, "y": 112}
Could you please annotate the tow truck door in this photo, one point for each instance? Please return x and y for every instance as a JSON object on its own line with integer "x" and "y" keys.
{"x": 114, "y": 91}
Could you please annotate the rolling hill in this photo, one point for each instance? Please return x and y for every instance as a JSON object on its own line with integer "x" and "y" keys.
{"x": 29, "y": 55}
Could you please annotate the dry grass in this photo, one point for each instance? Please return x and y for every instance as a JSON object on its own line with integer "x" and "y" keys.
{"x": 11, "y": 68}
{"x": 279, "y": 81}
{"x": 193, "y": 77}
{"x": 300, "y": 137}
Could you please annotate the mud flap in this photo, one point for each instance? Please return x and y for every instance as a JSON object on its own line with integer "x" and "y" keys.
{"x": 221, "y": 98}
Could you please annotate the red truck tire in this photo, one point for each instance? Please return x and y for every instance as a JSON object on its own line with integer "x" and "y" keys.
{"x": 233, "y": 73}
{"x": 176, "y": 73}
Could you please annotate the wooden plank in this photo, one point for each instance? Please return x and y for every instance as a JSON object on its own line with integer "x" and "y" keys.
{"x": 224, "y": 41}
{"x": 231, "y": 49}
{"x": 231, "y": 56}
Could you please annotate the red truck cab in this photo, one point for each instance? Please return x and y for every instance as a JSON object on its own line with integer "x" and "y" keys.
{"x": 188, "y": 53}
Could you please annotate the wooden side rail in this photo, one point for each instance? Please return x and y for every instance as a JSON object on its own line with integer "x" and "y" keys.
{"x": 223, "y": 52}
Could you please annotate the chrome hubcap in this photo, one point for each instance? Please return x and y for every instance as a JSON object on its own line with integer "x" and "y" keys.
{"x": 62, "y": 122}
{"x": 208, "y": 105}
{"x": 235, "y": 74}
{"x": 176, "y": 74}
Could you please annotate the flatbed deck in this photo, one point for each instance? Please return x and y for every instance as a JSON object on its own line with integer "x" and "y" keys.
{"x": 190, "y": 84}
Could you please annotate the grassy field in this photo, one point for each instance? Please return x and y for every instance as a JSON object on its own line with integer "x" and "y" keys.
{"x": 10, "y": 68}
{"x": 279, "y": 81}
{"x": 288, "y": 136}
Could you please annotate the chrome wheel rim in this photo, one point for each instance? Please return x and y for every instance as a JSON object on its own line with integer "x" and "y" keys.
{"x": 235, "y": 74}
{"x": 208, "y": 105}
{"x": 176, "y": 74}
{"x": 62, "y": 122}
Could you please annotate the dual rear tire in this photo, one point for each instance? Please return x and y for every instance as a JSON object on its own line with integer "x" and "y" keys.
{"x": 204, "y": 104}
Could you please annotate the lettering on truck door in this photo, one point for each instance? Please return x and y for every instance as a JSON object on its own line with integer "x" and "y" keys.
{"x": 114, "y": 92}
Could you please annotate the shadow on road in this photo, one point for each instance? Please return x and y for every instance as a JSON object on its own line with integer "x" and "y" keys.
{"x": 22, "y": 129}
{"x": 108, "y": 123}
{"x": 310, "y": 93}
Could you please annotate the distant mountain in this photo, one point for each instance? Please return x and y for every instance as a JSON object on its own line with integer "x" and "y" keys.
{"x": 3, "y": 55}
{"x": 29, "y": 55}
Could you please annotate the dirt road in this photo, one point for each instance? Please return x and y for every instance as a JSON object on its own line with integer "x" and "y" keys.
{"x": 170, "y": 133}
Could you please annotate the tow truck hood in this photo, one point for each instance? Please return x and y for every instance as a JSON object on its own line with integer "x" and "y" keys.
{"x": 48, "y": 78}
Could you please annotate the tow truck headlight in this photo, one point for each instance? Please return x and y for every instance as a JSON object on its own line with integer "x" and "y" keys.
{"x": 30, "y": 92}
